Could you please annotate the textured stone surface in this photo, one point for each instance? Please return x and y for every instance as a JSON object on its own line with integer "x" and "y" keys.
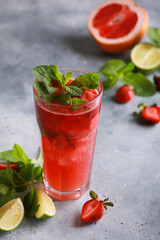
{"x": 126, "y": 162}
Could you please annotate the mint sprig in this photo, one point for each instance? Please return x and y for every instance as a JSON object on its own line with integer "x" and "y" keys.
{"x": 116, "y": 70}
{"x": 21, "y": 179}
{"x": 47, "y": 75}
{"x": 154, "y": 36}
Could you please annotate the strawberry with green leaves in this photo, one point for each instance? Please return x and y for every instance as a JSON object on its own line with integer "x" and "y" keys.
{"x": 93, "y": 209}
{"x": 150, "y": 114}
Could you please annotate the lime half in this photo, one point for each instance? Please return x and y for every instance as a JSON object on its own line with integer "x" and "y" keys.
{"x": 11, "y": 214}
{"x": 46, "y": 206}
{"x": 146, "y": 57}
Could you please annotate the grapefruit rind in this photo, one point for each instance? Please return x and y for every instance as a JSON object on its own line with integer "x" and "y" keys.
{"x": 146, "y": 57}
{"x": 46, "y": 206}
{"x": 121, "y": 44}
{"x": 11, "y": 214}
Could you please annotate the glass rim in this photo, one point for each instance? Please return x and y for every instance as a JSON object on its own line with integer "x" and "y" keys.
{"x": 71, "y": 106}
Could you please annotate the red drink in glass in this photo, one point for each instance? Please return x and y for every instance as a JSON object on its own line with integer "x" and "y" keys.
{"x": 68, "y": 135}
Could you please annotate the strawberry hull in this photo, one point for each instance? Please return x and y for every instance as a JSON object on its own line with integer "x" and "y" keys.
{"x": 68, "y": 138}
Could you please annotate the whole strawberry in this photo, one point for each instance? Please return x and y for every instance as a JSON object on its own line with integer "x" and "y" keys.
{"x": 157, "y": 82}
{"x": 150, "y": 114}
{"x": 124, "y": 94}
{"x": 93, "y": 209}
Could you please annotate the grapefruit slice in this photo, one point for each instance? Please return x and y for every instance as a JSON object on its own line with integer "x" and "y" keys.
{"x": 117, "y": 25}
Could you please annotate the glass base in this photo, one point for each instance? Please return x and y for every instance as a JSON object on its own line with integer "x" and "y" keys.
{"x": 64, "y": 196}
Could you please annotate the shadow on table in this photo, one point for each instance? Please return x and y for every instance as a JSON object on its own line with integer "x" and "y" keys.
{"x": 78, "y": 222}
{"x": 85, "y": 45}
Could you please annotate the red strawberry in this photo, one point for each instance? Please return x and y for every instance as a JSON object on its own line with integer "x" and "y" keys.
{"x": 150, "y": 113}
{"x": 93, "y": 209}
{"x": 157, "y": 82}
{"x": 13, "y": 166}
{"x": 124, "y": 94}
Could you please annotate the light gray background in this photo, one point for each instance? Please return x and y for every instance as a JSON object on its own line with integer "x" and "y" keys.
{"x": 126, "y": 163}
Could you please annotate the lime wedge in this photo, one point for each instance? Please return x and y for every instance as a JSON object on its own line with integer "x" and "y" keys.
{"x": 46, "y": 206}
{"x": 146, "y": 57}
{"x": 11, "y": 214}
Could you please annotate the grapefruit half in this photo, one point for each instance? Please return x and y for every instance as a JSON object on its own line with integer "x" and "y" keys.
{"x": 117, "y": 25}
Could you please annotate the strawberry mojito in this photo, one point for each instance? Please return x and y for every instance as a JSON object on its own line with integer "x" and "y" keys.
{"x": 67, "y": 104}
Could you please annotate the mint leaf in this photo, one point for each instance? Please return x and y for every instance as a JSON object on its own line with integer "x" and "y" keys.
{"x": 30, "y": 202}
{"x": 9, "y": 173}
{"x": 8, "y": 156}
{"x": 37, "y": 173}
{"x": 110, "y": 83}
{"x": 73, "y": 90}
{"x": 86, "y": 81}
{"x": 112, "y": 68}
{"x": 56, "y": 74}
{"x": 19, "y": 153}
{"x": 24, "y": 174}
{"x": 43, "y": 73}
{"x": 4, "y": 179}
{"x": 142, "y": 86}
{"x": 128, "y": 68}
{"x": 63, "y": 98}
{"x": 66, "y": 78}
{"x": 44, "y": 91}
{"x": 77, "y": 101}
{"x": 154, "y": 36}
{"x": 4, "y": 188}
{"x": 7, "y": 197}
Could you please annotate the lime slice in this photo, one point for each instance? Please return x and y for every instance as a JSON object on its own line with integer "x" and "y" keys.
{"x": 11, "y": 214}
{"x": 46, "y": 206}
{"x": 146, "y": 57}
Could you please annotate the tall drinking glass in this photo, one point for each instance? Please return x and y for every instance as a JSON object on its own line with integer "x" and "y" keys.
{"x": 68, "y": 135}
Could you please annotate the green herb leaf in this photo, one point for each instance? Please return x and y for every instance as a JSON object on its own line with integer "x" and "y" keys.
{"x": 86, "y": 81}
{"x": 111, "y": 69}
{"x": 77, "y": 101}
{"x": 154, "y": 36}
{"x": 37, "y": 172}
{"x": 4, "y": 188}
{"x": 4, "y": 179}
{"x": 43, "y": 73}
{"x": 44, "y": 90}
{"x": 30, "y": 202}
{"x": 20, "y": 154}
{"x": 73, "y": 90}
{"x": 128, "y": 68}
{"x": 63, "y": 98}
{"x": 56, "y": 74}
{"x": 142, "y": 86}
{"x": 110, "y": 83}
{"x": 7, "y": 197}
{"x": 8, "y": 156}
{"x": 9, "y": 173}
{"x": 66, "y": 78}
